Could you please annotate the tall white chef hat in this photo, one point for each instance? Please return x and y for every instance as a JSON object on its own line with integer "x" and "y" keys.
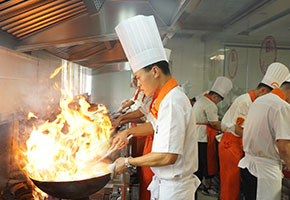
{"x": 275, "y": 75}
{"x": 141, "y": 41}
{"x": 222, "y": 86}
{"x": 168, "y": 53}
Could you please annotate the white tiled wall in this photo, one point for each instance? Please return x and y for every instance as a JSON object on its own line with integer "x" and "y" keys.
{"x": 110, "y": 89}
{"x": 190, "y": 62}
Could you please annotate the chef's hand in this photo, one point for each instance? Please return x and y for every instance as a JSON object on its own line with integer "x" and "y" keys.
{"x": 120, "y": 140}
{"x": 120, "y": 166}
{"x": 117, "y": 122}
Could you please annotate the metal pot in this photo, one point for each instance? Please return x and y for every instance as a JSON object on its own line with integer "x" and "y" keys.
{"x": 73, "y": 189}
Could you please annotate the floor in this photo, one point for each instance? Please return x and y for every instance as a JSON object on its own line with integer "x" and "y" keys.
{"x": 200, "y": 196}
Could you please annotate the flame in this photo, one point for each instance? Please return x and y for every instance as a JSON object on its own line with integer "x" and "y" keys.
{"x": 31, "y": 115}
{"x": 38, "y": 194}
{"x": 56, "y": 72}
{"x": 64, "y": 149}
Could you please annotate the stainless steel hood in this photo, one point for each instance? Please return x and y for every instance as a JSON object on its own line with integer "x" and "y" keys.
{"x": 81, "y": 31}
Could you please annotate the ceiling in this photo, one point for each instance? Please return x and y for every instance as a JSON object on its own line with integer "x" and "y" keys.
{"x": 82, "y": 31}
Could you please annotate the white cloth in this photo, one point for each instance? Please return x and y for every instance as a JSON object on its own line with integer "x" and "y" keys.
{"x": 268, "y": 121}
{"x": 145, "y": 108}
{"x": 268, "y": 173}
{"x": 205, "y": 110}
{"x": 138, "y": 102}
{"x": 275, "y": 75}
{"x": 180, "y": 188}
{"x": 152, "y": 120}
{"x": 222, "y": 86}
{"x": 175, "y": 133}
{"x": 141, "y": 41}
{"x": 239, "y": 108}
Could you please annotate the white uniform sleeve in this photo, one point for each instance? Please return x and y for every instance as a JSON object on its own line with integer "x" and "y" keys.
{"x": 211, "y": 112}
{"x": 227, "y": 122}
{"x": 144, "y": 109}
{"x": 170, "y": 128}
{"x": 242, "y": 113}
{"x": 152, "y": 120}
{"x": 282, "y": 123}
{"x": 146, "y": 105}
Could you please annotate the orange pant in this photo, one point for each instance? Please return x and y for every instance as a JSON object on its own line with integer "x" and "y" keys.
{"x": 230, "y": 153}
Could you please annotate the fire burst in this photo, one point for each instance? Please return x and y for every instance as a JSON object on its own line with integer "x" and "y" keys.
{"x": 63, "y": 150}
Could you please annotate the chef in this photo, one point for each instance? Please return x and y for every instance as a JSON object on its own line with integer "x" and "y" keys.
{"x": 266, "y": 140}
{"x": 230, "y": 147}
{"x": 208, "y": 125}
{"x": 173, "y": 158}
{"x": 140, "y": 145}
{"x": 143, "y": 113}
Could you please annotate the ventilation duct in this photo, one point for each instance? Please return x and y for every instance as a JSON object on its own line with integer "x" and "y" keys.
{"x": 94, "y": 6}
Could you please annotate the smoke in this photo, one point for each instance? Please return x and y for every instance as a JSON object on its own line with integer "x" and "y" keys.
{"x": 40, "y": 94}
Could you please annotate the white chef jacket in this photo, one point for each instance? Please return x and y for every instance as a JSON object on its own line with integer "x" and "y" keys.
{"x": 239, "y": 108}
{"x": 205, "y": 110}
{"x": 138, "y": 102}
{"x": 268, "y": 121}
{"x": 175, "y": 132}
{"x": 145, "y": 108}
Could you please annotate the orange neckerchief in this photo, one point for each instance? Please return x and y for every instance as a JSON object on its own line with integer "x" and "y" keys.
{"x": 136, "y": 94}
{"x": 279, "y": 93}
{"x": 207, "y": 95}
{"x": 167, "y": 87}
{"x": 143, "y": 97}
{"x": 252, "y": 95}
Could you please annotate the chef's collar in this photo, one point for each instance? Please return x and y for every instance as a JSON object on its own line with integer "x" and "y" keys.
{"x": 279, "y": 93}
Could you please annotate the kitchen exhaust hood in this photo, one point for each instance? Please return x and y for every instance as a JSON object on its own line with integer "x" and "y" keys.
{"x": 81, "y": 31}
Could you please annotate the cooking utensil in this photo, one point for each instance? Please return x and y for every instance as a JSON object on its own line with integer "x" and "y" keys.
{"x": 73, "y": 189}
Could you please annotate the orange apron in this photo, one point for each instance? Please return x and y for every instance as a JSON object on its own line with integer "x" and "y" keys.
{"x": 230, "y": 153}
{"x": 212, "y": 161}
{"x": 146, "y": 172}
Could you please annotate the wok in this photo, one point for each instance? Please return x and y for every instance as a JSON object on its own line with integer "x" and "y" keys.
{"x": 73, "y": 189}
